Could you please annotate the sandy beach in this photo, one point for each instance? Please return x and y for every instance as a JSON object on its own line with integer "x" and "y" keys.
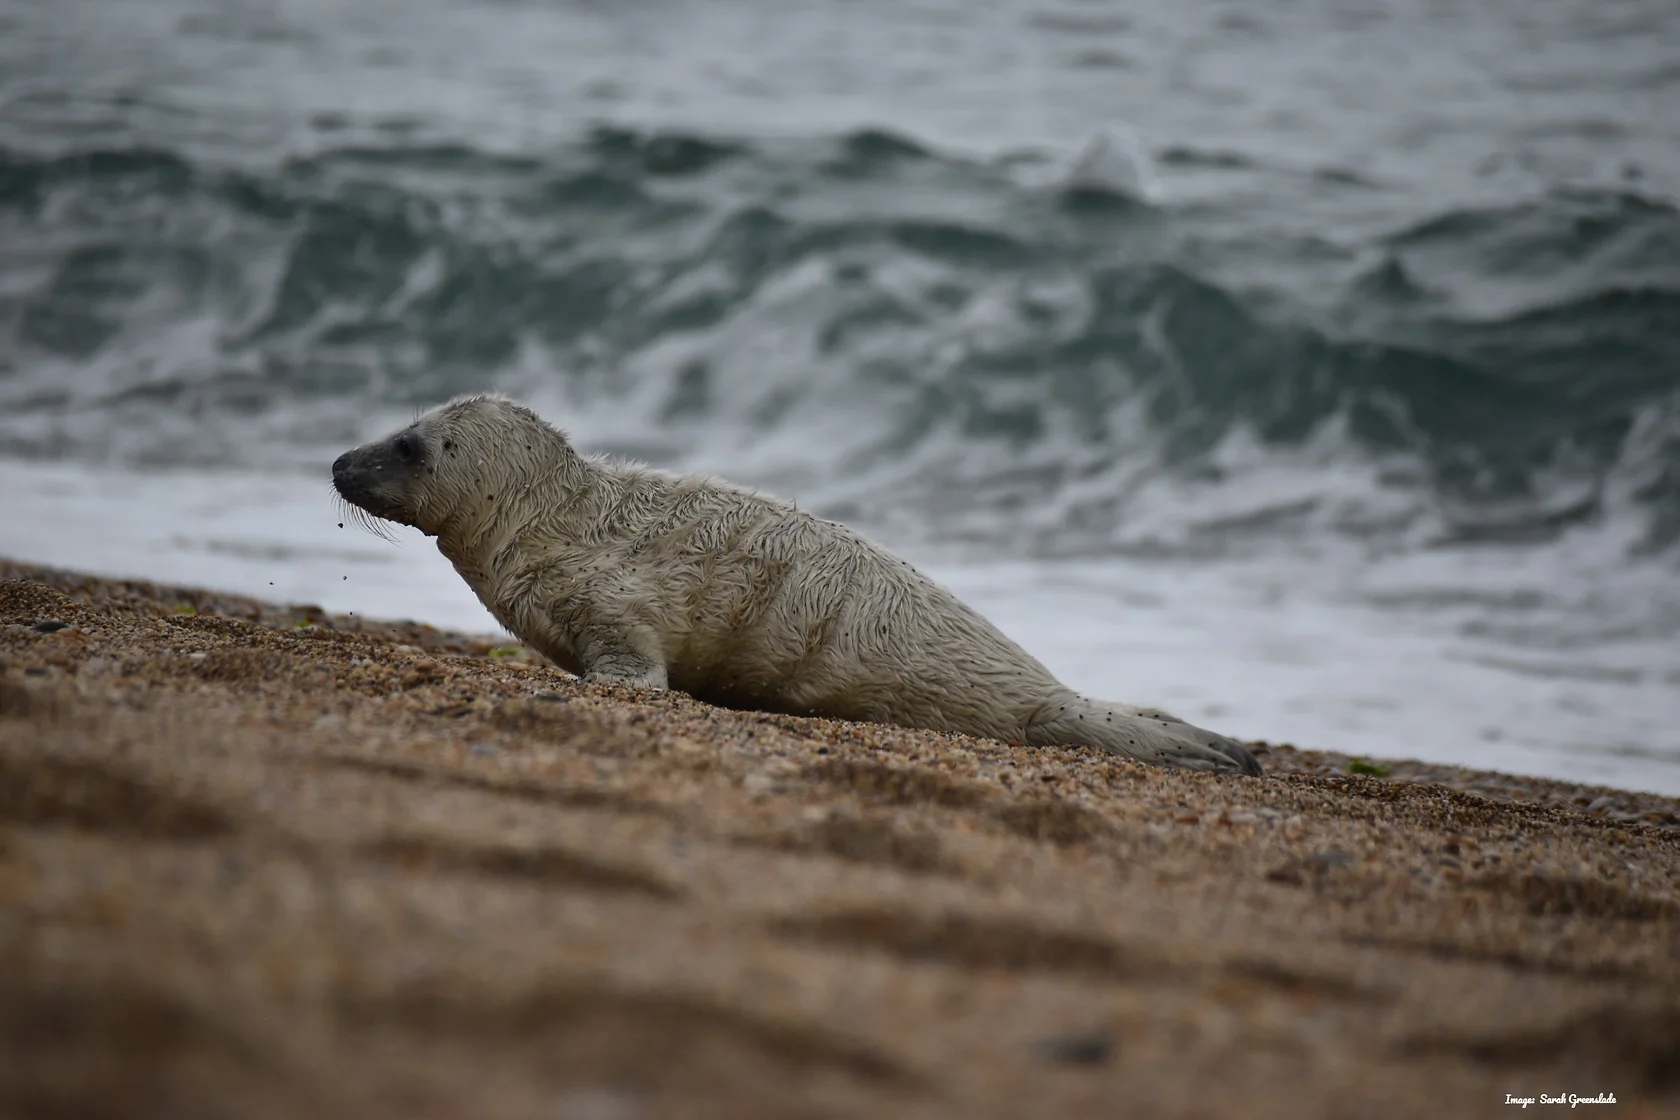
{"x": 258, "y": 861}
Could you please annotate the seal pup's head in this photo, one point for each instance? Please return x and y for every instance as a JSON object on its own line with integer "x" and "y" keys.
{"x": 455, "y": 467}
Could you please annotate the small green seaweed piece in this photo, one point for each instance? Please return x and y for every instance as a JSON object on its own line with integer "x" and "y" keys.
{"x": 1360, "y": 766}
{"x": 507, "y": 651}
{"x": 185, "y": 608}
{"x": 304, "y": 623}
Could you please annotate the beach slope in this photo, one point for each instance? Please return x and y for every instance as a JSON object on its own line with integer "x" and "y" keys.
{"x": 257, "y": 861}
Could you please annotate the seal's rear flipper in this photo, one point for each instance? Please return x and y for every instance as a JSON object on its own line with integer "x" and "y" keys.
{"x": 1147, "y": 735}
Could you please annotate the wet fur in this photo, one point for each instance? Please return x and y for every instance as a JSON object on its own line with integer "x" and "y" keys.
{"x": 630, "y": 575}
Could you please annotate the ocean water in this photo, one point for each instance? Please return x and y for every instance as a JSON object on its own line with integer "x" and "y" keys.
{"x": 1311, "y": 369}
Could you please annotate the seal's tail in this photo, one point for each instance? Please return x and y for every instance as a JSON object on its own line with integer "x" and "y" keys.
{"x": 1144, "y": 734}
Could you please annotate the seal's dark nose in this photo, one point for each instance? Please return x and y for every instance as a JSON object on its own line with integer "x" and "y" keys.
{"x": 341, "y": 464}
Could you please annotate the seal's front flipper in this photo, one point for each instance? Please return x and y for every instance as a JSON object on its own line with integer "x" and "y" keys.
{"x": 653, "y": 680}
{"x": 613, "y": 659}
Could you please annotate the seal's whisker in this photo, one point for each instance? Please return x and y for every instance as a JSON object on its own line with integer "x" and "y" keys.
{"x": 362, "y": 519}
{"x": 379, "y": 527}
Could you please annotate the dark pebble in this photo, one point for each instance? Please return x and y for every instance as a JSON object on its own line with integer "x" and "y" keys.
{"x": 51, "y": 626}
{"x": 1078, "y": 1049}
{"x": 1330, "y": 859}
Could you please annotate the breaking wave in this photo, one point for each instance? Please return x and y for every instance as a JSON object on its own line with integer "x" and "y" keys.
{"x": 893, "y": 332}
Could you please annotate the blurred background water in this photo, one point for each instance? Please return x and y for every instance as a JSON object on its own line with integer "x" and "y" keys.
{"x": 1310, "y": 368}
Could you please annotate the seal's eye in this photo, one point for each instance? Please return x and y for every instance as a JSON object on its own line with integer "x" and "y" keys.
{"x": 406, "y": 450}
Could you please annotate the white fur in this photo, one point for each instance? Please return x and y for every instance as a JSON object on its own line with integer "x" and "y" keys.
{"x": 630, "y": 575}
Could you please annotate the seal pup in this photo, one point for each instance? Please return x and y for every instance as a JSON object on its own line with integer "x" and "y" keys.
{"x": 624, "y": 574}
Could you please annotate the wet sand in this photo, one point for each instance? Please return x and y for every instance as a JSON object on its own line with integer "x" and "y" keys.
{"x": 256, "y": 861}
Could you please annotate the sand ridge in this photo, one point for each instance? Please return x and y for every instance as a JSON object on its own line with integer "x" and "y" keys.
{"x": 259, "y": 861}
